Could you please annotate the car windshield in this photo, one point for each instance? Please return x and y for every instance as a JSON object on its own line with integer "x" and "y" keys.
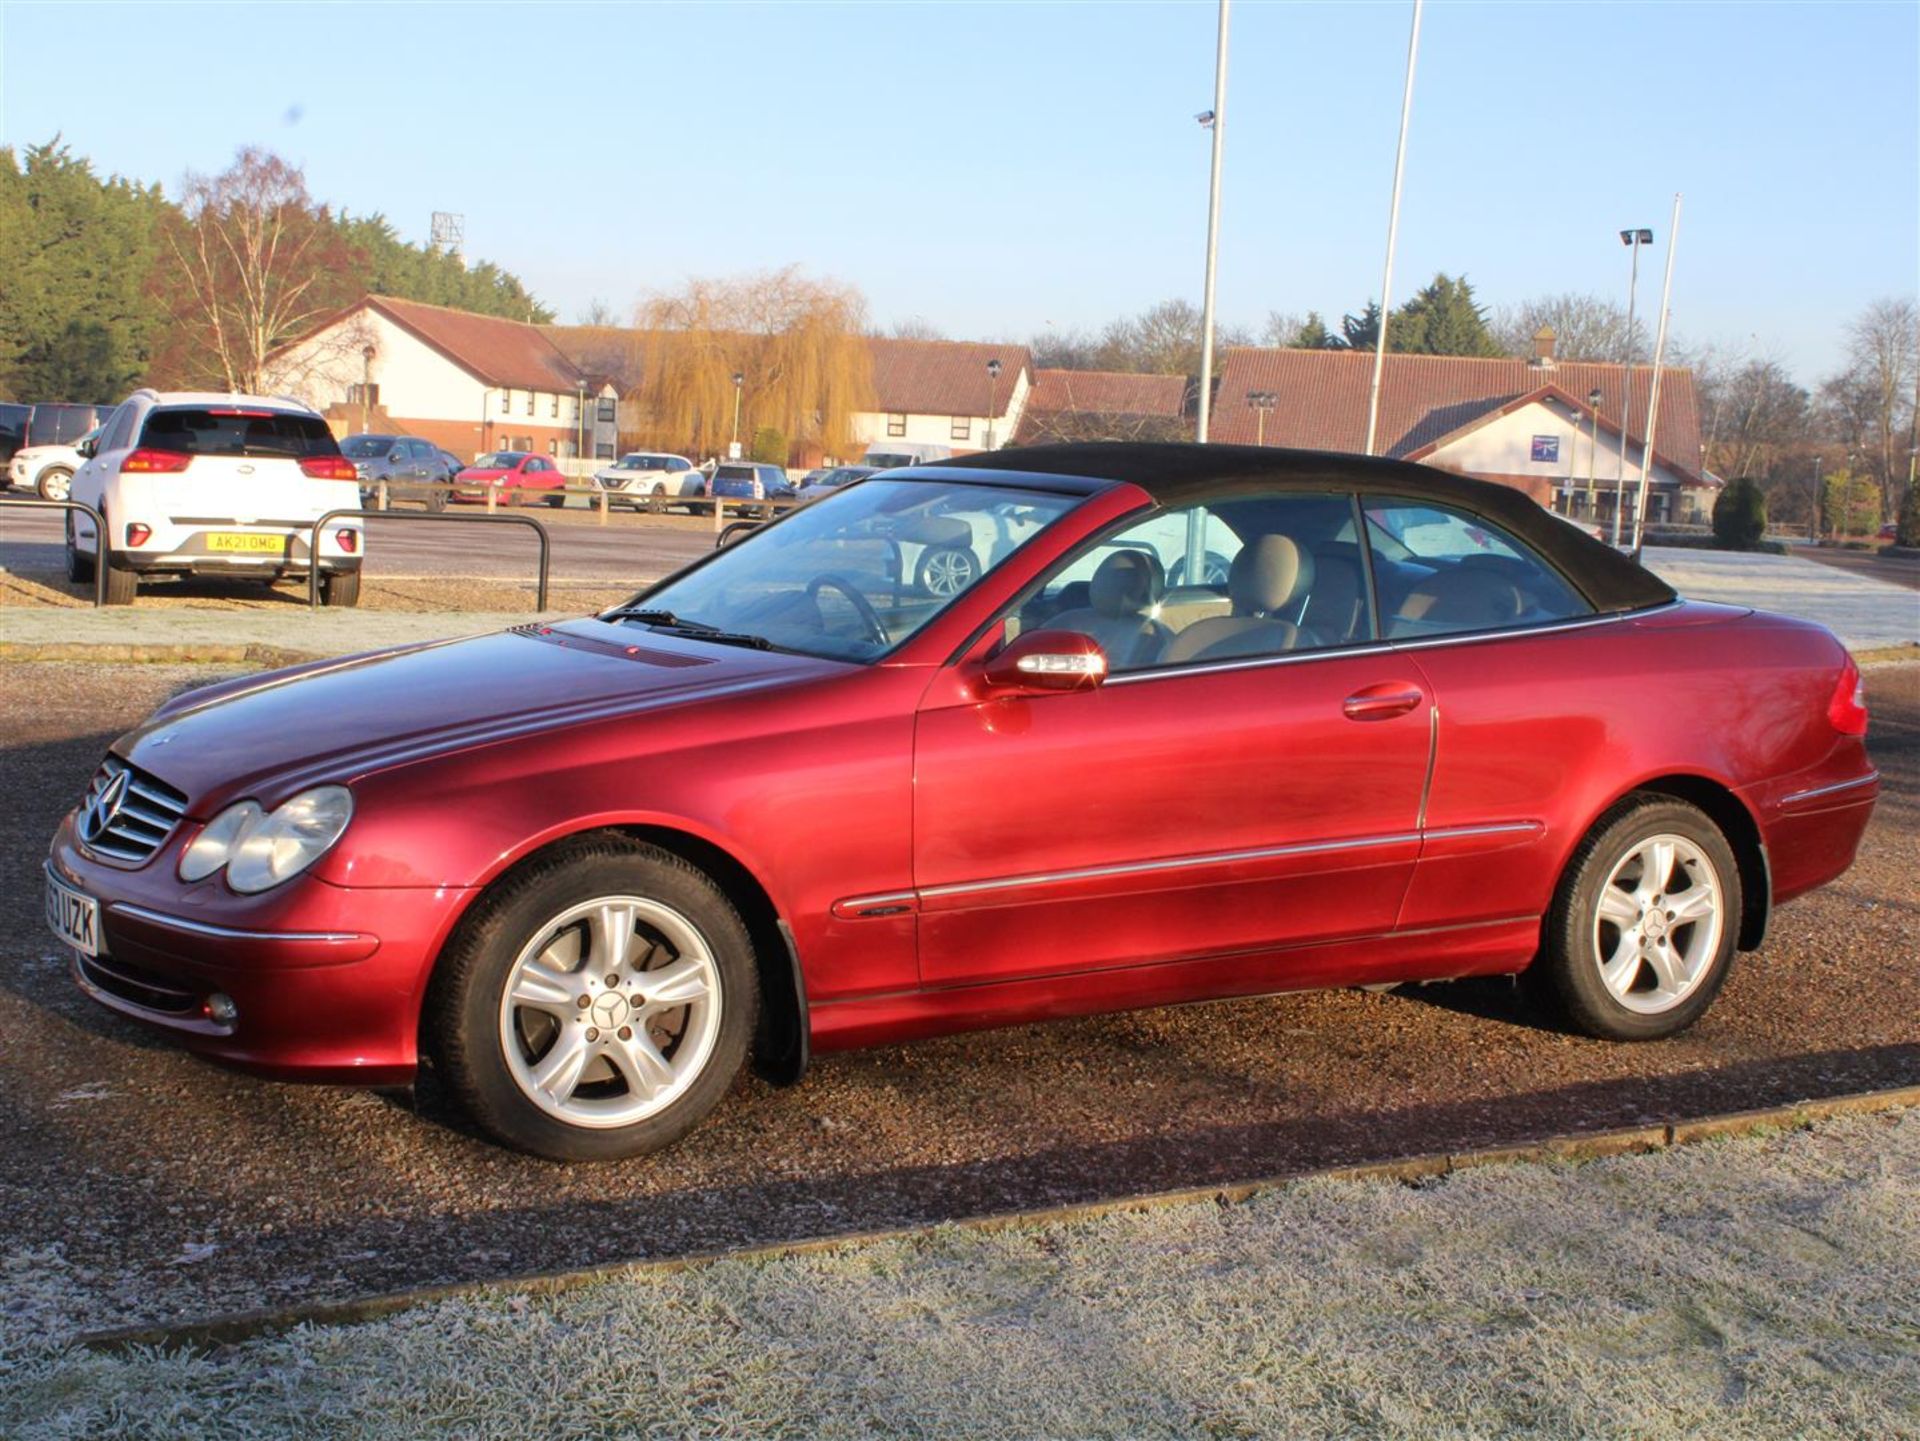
{"x": 853, "y": 576}
{"x": 238, "y": 430}
{"x": 500, "y": 460}
{"x": 632, "y": 462}
{"x": 361, "y": 446}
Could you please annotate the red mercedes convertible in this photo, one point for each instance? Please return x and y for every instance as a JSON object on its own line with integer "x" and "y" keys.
{"x": 1202, "y": 721}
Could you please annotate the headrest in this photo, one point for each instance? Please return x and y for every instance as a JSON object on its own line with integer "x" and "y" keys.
{"x": 1269, "y": 575}
{"x": 1128, "y": 582}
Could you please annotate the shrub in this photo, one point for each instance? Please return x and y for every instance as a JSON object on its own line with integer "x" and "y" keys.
{"x": 1908, "y": 532}
{"x": 1740, "y": 515}
{"x": 1849, "y": 505}
{"x": 769, "y": 446}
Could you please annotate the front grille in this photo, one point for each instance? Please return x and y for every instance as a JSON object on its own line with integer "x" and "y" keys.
{"x": 148, "y": 812}
{"x": 138, "y": 986}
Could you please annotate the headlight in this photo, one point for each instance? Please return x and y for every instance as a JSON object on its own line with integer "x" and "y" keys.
{"x": 260, "y": 850}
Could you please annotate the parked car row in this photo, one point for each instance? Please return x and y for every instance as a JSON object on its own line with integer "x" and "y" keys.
{"x": 39, "y": 444}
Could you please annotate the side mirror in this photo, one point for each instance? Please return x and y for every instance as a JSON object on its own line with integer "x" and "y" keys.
{"x": 1047, "y": 660}
{"x": 85, "y": 449}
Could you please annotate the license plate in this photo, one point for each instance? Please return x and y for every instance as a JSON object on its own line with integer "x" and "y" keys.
{"x": 225, "y": 540}
{"x": 74, "y": 917}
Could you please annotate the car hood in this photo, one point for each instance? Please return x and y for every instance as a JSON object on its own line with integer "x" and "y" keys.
{"x": 270, "y": 735}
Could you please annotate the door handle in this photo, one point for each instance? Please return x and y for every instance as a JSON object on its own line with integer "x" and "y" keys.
{"x": 1382, "y": 702}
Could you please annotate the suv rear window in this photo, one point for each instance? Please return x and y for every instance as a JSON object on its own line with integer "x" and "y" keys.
{"x": 221, "y": 430}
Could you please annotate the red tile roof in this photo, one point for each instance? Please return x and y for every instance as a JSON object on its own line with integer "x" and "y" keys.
{"x": 1323, "y": 398}
{"x": 500, "y": 352}
{"x": 1107, "y": 392}
{"x": 943, "y": 377}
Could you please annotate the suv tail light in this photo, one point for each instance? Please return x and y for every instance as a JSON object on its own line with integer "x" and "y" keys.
{"x": 1848, "y": 708}
{"x": 329, "y": 467}
{"x": 349, "y": 540}
{"x": 155, "y": 462}
{"x": 138, "y": 534}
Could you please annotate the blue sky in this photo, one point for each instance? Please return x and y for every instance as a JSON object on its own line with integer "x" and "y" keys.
{"x": 996, "y": 168}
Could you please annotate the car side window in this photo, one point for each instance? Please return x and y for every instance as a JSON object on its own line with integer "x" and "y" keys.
{"x": 118, "y": 431}
{"x": 1270, "y": 575}
{"x": 1439, "y": 570}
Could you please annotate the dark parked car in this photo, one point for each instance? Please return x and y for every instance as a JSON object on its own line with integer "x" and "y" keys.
{"x": 401, "y": 460}
{"x": 13, "y": 429}
{"x": 750, "y": 480}
{"x": 782, "y": 802}
{"x": 62, "y": 424}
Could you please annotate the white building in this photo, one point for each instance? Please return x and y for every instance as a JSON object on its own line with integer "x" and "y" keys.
{"x": 945, "y": 392}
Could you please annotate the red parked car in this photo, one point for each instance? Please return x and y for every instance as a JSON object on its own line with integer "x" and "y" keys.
{"x": 520, "y": 478}
{"x": 1405, "y": 727}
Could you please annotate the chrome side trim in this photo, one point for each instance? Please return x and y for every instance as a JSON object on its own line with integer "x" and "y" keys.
{"x": 1185, "y": 863}
{"x": 1390, "y": 647}
{"x": 1865, "y": 780}
{"x": 225, "y": 933}
{"x": 1433, "y": 757}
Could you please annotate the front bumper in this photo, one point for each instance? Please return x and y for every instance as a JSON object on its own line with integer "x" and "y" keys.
{"x": 325, "y": 982}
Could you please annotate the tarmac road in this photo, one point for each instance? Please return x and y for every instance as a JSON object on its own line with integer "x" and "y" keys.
{"x": 627, "y": 549}
{"x": 156, "y": 1188}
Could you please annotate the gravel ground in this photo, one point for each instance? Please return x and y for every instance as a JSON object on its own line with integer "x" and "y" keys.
{"x": 170, "y": 1189}
{"x": 1754, "y": 1288}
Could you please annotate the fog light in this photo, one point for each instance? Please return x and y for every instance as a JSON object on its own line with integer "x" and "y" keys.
{"x": 221, "y": 1010}
{"x": 138, "y": 534}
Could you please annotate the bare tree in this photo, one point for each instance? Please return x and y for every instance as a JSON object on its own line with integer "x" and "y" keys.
{"x": 915, "y": 327}
{"x": 1065, "y": 350}
{"x": 251, "y": 263}
{"x": 1585, "y": 327}
{"x": 597, "y": 313}
{"x": 1872, "y": 398}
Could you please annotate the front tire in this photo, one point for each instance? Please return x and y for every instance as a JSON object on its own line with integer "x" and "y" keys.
{"x": 1644, "y": 923}
{"x": 946, "y": 570}
{"x": 55, "y": 483}
{"x": 597, "y": 1004}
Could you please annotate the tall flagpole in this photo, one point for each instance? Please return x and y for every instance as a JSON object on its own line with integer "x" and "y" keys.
{"x": 1653, "y": 400}
{"x": 1393, "y": 233}
{"x": 1219, "y": 124}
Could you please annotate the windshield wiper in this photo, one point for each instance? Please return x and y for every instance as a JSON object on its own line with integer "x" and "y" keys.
{"x": 667, "y": 620}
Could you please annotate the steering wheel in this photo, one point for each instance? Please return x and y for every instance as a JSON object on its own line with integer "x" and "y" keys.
{"x": 861, "y": 605}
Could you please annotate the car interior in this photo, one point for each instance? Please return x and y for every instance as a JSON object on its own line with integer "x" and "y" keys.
{"x": 1283, "y": 573}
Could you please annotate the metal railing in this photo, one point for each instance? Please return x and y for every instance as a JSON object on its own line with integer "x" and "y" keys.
{"x": 99, "y": 535}
{"x": 442, "y": 517}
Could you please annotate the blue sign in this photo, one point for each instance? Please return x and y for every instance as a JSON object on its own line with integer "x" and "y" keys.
{"x": 1546, "y": 449}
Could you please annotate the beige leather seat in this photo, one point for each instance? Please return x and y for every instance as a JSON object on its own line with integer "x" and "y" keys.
{"x": 1120, "y": 601}
{"x": 1461, "y": 599}
{"x": 1269, "y": 576}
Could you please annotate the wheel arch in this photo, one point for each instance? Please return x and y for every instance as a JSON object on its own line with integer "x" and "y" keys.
{"x": 781, "y": 1048}
{"x": 1742, "y": 831}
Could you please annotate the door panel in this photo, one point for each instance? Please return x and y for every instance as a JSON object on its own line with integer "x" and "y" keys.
{"x": 1169, "y": 816}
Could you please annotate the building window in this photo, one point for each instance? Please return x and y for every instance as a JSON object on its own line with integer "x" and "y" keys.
{"x": 506, "y": 401}
{"x": 606, "y": 409}
{"x": 603, "y": 452}
{"x": 896, "y": 425}
{"x": 553, "y": 447}
{"x": 961, "y": 429}
{"x": 556, "y": 404}
{"x": 368, "y": 395}
{"x": 530, "y": 400}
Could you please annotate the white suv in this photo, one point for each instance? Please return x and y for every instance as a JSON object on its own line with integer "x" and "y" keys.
{"x": 203, "y": 484}
{"x": 650, "y": 478}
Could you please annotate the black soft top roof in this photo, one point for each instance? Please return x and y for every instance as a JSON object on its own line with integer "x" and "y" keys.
{"x": 1181, "y": 474}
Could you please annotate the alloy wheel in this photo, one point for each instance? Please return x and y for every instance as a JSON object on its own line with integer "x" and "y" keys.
{"x": 1657, "y": 923}
{"x": 611, "y": 1012}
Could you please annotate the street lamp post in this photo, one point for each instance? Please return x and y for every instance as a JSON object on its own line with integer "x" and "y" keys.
{"x": 1260, "y": 402}
{"x": 1633, "y": 239}
{"x": 739, "y": 385}
{"x": 1393, "y": 232}
{"x": 366, "y": 389}
{"x": 1216, "y": 121}
{"x": 993, "y": 397}
{"x": 1594, "y": 397}
{"x": 580, "y": 420}
{"x": 1813, "y": 519}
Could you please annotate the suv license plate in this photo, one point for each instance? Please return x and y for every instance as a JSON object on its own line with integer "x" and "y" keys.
{"x": 74, "y": 918}
{"x": 224, "y": 540}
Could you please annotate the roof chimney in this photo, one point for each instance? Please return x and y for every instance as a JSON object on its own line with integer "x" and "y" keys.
{"x": 1543, "y": 340}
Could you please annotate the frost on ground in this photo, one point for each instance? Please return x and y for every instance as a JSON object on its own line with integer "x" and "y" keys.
{"x": 1768, "y": 1286}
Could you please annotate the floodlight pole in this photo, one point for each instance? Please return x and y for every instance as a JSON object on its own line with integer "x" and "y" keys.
{"x": 1219, "y": 127}
{"x": 1653, "y": 400}
{"x": 1631, "y": 238}
{"x": 1393, "y": 234}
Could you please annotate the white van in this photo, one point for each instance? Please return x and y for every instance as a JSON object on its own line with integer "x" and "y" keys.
{"x": 890, "y": 454}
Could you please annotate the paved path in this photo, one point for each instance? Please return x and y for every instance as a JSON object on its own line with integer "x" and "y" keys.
{"x": 1867, "y": 614}
{"x": 1875, "y": 565}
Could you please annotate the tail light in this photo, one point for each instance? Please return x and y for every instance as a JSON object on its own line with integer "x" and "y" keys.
{"x": 329, "y": 467}
{"x": 349, "y": 540}
{"x": 138, "y": 534}
{"x": 1848, "y": 708}
{"x": 155, "y": 462}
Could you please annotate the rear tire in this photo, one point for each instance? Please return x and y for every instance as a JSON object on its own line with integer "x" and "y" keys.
{"x": 55, "y": 483}
{"x": 1644, "y": 924}
{"x": 122, "y": 585}
{"x": 437, "y": 500}
{"x": 596, "y": 917}
{"x": 79, "y": 567}
{"x": 340, "y": 588}
{"x": 556, "y": 502}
